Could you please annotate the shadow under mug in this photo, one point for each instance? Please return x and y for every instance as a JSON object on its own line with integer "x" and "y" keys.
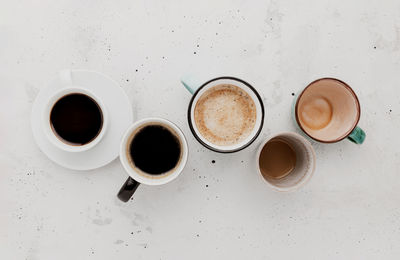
{"x": 328, "y": 111}
{"x": 137, "y": 176}
{"x": 198, "y": 89}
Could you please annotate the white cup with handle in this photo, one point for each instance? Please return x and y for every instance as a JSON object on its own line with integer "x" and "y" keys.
{"x": 225, "y": 117}
{"x": 50, "y": 129}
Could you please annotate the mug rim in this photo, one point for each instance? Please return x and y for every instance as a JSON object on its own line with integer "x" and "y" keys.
{"x": 51, "y": 135}
{"x": 198, "y": 138}
{"x": 355, "y": 98}
{"x": 134, "y": 174}
{"x": 299, "y": 184}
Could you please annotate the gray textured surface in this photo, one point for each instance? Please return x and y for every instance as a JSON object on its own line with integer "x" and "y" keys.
{"x": 349, "y": 210}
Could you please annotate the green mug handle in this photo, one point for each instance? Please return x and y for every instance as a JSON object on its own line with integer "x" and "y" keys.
{"x": 190, "y": 83}
{"x": 357, "y": 136}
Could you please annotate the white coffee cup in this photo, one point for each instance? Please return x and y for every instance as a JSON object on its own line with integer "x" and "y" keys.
{"x": 198, "y": 90}
{"x": 304, "y": 166}
{"x": 70, "y": 88}
{"x": 136, "y": 175}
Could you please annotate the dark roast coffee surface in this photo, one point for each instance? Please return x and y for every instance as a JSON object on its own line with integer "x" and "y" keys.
{"x": 155, "y": 150}
{"x": 76, "y": 118}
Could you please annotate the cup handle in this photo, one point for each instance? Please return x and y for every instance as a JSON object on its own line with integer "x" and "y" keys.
{"x": 190, "y": 84}
{"x": 127, "y": 190}
{"x": 357, "y": 136}
{"x": 65, "y": 76}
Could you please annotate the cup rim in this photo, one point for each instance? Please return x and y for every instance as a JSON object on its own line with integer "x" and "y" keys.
{"x": 50, "y": 132}
{"x": 298, "y": 185}
{"x": 140, "y": 178}
{"x": 199, "y": 139}
{"x": 355, "y": 98}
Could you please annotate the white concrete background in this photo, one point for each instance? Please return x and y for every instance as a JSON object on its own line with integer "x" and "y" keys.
{"x": 349, "y": 210}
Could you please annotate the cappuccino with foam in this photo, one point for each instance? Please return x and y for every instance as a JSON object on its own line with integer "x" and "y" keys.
{"x": 225, "y": 115}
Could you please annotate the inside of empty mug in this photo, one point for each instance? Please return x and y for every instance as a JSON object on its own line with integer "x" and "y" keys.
{"x": 328, "y": 110}
{"x": 304, "y": 164}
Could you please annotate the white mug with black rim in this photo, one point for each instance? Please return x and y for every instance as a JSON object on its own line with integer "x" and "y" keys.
{"x": 225, "y": 114}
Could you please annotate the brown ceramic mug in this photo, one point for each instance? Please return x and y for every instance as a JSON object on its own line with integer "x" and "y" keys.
{"x": 328, "y": 111}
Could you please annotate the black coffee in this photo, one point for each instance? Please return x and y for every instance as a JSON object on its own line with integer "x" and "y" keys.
{"x": 76, "y": 119}
{"x": 155, "y": 149}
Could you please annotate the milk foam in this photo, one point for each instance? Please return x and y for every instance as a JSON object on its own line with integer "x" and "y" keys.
{"x": 225, "y": 115}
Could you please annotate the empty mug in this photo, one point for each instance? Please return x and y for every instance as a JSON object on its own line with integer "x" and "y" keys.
{"x": 328, "y": 111}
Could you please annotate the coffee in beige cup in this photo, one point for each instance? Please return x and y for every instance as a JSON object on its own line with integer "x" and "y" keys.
{"x": 286, "y": 161}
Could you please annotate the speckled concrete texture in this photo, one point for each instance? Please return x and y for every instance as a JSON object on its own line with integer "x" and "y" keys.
{"x": 222, "y": 210}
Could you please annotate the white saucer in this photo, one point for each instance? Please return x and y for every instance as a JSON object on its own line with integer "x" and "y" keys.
{"x": 120, "y": 118}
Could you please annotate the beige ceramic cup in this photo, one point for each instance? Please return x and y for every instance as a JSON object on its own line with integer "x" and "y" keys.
{"x": 303, "y": 169}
